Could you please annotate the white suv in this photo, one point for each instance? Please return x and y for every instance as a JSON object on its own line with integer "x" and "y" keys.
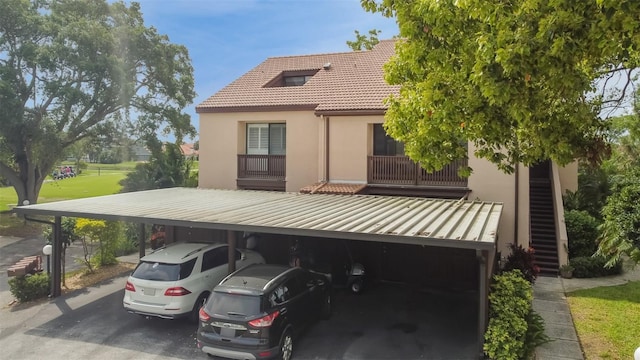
{"x": 175, "y": 281}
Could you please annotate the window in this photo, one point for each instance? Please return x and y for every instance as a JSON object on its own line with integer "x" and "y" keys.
{"x": 384, "y": 144}
{"x": 291, "y": 78}
{"x": 266, "y": 139}
{"x": 226, "y": 304}
{"x": 296, "y": 80}
{"x": 215, "y": 257}
{"x": 163, "y": 272}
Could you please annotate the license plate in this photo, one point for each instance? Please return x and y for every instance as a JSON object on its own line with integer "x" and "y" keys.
{"x": 226, "y": 332}
{"x": 148, "y": 291}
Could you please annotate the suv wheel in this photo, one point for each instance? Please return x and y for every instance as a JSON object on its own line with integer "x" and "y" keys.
{"x": 286, "y": 346}
{"x": 195, "y": 312}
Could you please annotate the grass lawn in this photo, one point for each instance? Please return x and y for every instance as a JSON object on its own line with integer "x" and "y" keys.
{"x": 89, "y": 184}
{"x": 123, "y": 166}
{"x": 607, "y": 320}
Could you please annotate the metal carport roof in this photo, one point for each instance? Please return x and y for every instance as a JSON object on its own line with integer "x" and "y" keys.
{"x": 410, "y": 220}
{"x": 431, "y": 222}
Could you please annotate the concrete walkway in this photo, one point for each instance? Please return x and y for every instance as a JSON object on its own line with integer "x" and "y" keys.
{"x": 550, "y": 302}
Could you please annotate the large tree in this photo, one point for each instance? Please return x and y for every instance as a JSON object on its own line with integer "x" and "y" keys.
{"x": 362, "y": 42}
{"x": 73, "y": 69}
{"x": 522, "y": 80}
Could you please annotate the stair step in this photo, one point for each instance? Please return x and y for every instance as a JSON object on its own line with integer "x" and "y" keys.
{"x": 547, "y": 235}
{"x": 538, "y": 246}
{"x": 549, "y": 240}
{"x": 543, "y": 228}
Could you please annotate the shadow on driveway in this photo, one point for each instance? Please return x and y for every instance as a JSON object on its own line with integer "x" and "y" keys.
{"x": 386, "y": 322}
{"x": 395, "y": 322}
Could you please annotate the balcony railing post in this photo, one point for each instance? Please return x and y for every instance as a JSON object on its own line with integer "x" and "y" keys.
{"x": 271, "y": 167}
{"x": 400, "y": 170}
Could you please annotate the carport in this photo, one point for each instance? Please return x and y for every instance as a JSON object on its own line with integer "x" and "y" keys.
{"x": 460, "y": 224}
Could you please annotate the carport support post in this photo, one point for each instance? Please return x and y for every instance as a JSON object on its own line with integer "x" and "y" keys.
{"x": 483, "y": 307}
{"x": 56, "y": 274}
{"x": 231, "y": 241}
{"x": 141, "y": 240}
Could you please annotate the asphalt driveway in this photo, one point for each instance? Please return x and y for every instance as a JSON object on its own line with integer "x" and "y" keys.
{"x": 386, "y": 322}
{"x": 92, "y": 324}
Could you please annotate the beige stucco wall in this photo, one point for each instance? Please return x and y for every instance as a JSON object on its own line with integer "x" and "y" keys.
{"x": 568, "y": 177}
{"x": 350, "y": 141}
{"x": 350, "y": 138}
{"x": 488, "y": 183}
{"x": 222, "y": 138}
{"x": 219, "y": 143}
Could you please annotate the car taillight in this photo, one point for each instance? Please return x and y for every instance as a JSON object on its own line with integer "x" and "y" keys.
{"x": 177, "y": 291}
{"x": 130, "y": 287}
{"x": 204, "y": 317}
{"x": 265, "y": 321}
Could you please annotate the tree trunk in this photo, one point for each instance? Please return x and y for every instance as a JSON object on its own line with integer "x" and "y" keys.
{"x": 27, "y": 182}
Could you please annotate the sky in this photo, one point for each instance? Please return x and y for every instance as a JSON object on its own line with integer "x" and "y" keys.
{"x": 227, "y": 38}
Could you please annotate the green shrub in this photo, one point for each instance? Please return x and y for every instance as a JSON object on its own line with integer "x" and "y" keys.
{"x": 509, "y": 306}
{"x": 582, "y": 233}
{"x": 593, "y": 266}
{"x": 593, "y": 189}
{"x": 524, "y": 260}
{"x": 126, "y": 246}
{"x": 30, "y": 287}
{"x": 621, "y": 227}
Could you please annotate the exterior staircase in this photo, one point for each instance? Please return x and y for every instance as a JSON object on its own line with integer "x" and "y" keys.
{"x": 543, "y": 227}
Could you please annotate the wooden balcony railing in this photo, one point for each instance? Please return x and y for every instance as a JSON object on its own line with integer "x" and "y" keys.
{"x": 400, "y": 170}
{"x": 268, "y": 167}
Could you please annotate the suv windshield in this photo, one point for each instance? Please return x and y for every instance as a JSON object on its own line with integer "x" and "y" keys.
{"x": 157, "y": 271}
{"x": 233, "y": 304}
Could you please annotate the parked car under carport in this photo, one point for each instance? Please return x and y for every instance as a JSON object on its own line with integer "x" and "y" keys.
{"x": 439, "y": 223}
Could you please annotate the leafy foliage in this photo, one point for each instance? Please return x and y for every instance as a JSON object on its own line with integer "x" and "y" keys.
{"x": 582, "y": 233}
{"x": 517, "y": 79}
{"x": 167, "y": 167}
{"x": 621, "y": 227}
{"x": 593, "y": 189}
{"x": 106, "y": 234}
{"x": 68, "y": 225}
{"x": 69, "y": 236}
{"x": 523, "y": 260}
{"x": 509, "y": 306}
{"x": 127, "y": 242}
{"x": 593, "y": 266}
{"x": 77, "y": 69}
{"x": 364, "y": 43}
{"x": 29, "y": 287}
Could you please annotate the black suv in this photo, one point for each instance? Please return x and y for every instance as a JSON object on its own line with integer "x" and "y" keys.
{"x": 256, "y": 312}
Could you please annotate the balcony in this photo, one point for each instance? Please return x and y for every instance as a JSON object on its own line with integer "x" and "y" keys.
{"x": 400, "y": 172}
{"x": 261, "y": 172}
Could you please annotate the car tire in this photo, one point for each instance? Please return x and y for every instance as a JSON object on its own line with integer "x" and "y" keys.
{"x": 286, "y": 346}
{"x": 326, "y": 307}
{"x": 195, "y": 312}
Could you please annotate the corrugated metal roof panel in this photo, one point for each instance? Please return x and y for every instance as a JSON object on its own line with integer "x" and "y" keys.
{"x": 436, "y": 222}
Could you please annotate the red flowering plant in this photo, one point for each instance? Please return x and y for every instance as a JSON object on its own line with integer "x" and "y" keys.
{"x": 523, "y": 260}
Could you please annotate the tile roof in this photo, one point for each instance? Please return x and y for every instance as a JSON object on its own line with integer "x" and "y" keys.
{"x": 333, "y": 188}
{"x": 188, "y": 149}
{"x": 353, "y": 82}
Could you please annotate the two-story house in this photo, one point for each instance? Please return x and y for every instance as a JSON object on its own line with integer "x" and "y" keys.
{"x": 313, "y": 123}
